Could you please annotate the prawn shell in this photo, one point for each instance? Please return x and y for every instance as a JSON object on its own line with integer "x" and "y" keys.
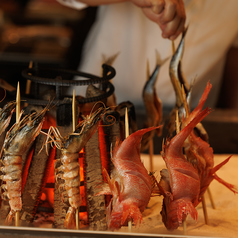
{"x": 16, "y": 144}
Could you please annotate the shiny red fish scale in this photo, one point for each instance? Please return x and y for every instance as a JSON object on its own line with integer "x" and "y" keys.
{"x": 134, "y": 179}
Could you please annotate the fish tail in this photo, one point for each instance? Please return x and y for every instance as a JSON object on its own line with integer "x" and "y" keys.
{"x": 217, "y": 167}
{"x": 231, "y": 187}
{"x": 134, "y": 138}
{"x": 202, "y": 100}
{"x": 138, "y": 134}
{"x": 181, "y": 137}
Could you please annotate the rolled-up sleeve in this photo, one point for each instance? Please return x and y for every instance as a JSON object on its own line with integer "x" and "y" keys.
{"x": 73, "y": 4}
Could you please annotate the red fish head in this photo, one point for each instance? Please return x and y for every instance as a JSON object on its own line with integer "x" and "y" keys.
{"x": 175, "y": 212}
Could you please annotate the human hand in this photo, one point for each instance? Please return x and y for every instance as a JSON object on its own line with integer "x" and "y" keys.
{"x": 168, "y": 14}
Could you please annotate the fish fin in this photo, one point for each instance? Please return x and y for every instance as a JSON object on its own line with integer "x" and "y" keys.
{"x": 217, "y": 167}
{"x": 179, "y": 139}
{"x": 131, "y": 211}
{"x": 117, "y": 186}
{"x": 137, "y": 136}
{"x": 157, "y": 190}
{"x": 116, "y": 147}
{"x": 204, "y": 96}
{"x": 109, "y": 181}
{"x": 113, "y": 186}
{"x": 102, "y": 189}
{"x": 202, "y": 100}
{"x": 70, "y": 222}
{"x": 231, "y": 187}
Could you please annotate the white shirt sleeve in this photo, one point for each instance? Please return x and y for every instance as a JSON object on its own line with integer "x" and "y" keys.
{"x": 73, "y": 4}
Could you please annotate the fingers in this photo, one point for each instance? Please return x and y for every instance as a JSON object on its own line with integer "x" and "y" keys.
{"x": 173, "y": 28}
{"x": 179, "y": 30}
{"x": 169, "y": 15}
{"x": 170, "y": 11}
{"x": 158, "y": 6}
{"x": 172, "y": 19}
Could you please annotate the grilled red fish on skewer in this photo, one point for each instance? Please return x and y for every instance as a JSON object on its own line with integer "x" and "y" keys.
{"x": 187, "y": 177}
{"x": 180, "y": 183}
{"x": 130, "y": 185}
{"x": 200, "y": 154}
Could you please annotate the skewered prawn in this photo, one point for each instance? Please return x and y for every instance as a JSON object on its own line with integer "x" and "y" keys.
{"x": 16, "y": 143}
{"x": 67, "y": 166}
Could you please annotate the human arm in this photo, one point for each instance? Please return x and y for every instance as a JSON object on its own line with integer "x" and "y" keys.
{"x": 168, "y": 14}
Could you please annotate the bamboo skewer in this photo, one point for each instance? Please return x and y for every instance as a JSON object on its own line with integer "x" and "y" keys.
{"x": 73, "y": 111}
{"x": 205, "y": 210}
{"x": 151, "y": 146}
{"x": 74, "y": 127}
{"x": 184, "y": 227}
{"x": 18, "y": 112}
{"x": 173, "y": 46}
{"x": 126, "y": 124}
{"x": 151, "y": 154}
{"x": 17, "y": 218}
{"x": 18, "y": 103}
{"x": 211, "y": 198}
{"x": 28, "y": 83}
{"x": 77, "y": 218}
{"x": 126, "y": 135}
{"x": 147, "y": 69}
